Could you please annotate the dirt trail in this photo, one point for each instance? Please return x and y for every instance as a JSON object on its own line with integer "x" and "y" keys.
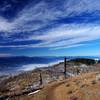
{"x": 85, "y": 87}
{"x": 51, "y": 92}
{"x": 82, "y": 87}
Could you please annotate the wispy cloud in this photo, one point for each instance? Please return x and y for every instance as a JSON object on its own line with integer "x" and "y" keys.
{"x": 40, "y": 22}
{"x": 64, "y": 36}
{"x": 70, "y": 46}
{"x": 42, "y": 13}
{"x": 5, "y": 54}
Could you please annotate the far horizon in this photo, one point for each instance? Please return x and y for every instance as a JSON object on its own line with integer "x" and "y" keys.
{"x": 46, "y": 56}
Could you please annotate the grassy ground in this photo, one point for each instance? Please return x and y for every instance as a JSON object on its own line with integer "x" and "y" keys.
{"x": 83, "y": 87}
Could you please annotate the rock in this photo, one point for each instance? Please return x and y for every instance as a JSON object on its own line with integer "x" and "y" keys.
{"x": 67, "y": 85}
{"x": 93, "y": 81}
{"x": 98, "y": 77}
{"x": 70, "y": 92}
{"x": 61, "y": 78}
{"x": 83, "y": 85}
{"x": 73, "y": 98}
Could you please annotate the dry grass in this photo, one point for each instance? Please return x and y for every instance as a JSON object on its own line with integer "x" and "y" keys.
{"x": 83, "y": 87}
{"x": 88, "y": 88}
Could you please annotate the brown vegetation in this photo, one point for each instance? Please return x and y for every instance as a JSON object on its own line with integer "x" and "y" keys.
{"x": 53, "y": 84}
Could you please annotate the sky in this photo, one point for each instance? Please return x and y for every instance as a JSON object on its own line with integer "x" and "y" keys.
{"x": 49, "y": 27}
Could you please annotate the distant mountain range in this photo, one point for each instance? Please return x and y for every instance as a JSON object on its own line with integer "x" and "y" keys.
{"x": 27, "y": 60}
{"x": 36, "y": 60}
{"x": 14, "y": 63}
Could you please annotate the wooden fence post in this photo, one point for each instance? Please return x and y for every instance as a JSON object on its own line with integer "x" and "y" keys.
{"x": 65, "y": 67}
{"x": 41, "y": 80}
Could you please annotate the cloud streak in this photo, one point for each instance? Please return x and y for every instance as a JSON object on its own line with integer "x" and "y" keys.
{"x": 49, "y": 23}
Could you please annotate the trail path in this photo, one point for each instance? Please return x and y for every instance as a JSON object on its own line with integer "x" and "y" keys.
{"x": 52, "y": 92}
{"x": 79, "y": 88}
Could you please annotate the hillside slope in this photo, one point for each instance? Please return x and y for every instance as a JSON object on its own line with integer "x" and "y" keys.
{"x": 83, "y": 87}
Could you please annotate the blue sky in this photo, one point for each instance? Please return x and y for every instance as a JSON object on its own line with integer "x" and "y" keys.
{"x": 49, "y": 27}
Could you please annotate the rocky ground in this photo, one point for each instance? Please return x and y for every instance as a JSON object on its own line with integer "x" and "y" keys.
{"x": 25, "y": 85}
{"x": 82, "y": 87}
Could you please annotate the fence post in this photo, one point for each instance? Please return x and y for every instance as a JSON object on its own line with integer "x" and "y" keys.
{"x": 65, "y": 67}
{"x": 41, "y": 80}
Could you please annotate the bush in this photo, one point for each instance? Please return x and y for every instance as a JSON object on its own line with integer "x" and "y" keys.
{"x": 84, "y": 61}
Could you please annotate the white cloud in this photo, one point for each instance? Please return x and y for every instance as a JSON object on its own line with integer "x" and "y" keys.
{"x": 64, "y": 37}
{"x": 5, "y": 54}
{"x": 71, "y": 46}
{"x": 5, "y": 25}
{"x": 42, "y": 14}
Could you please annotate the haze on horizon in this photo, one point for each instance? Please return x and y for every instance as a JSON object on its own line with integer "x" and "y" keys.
{"x": 50, "y": 27}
